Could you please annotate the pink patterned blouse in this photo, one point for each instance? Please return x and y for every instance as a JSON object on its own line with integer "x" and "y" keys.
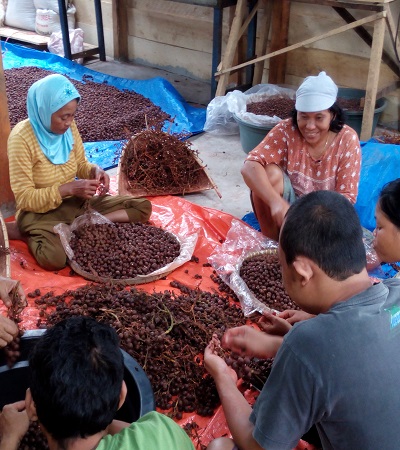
{"x": 337, "y": 170}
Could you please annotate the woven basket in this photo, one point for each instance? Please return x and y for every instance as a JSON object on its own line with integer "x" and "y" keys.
{"x": 5, "y": 266}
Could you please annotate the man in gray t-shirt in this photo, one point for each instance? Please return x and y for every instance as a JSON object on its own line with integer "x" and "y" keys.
{"x": 339, "y": 370}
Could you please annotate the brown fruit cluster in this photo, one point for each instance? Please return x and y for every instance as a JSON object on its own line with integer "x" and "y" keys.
{"x": 105, "y": 113}
{"x": 275, "y": 105}
{"x": 165, "y": 332}
{"x": 123, "y": 250}
{"x": 158, "y": 163}
{"x": 262, "y": 275}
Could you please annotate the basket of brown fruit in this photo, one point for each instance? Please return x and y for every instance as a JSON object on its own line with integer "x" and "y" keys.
{"x": 260, "y": 273}
{"x": 127, "y": 253}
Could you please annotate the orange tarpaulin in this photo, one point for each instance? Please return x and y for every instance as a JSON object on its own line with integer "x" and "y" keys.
{"x": 178, "y": 216}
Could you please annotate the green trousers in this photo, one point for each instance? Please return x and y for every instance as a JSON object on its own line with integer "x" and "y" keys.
{"x": 46, "y": 246}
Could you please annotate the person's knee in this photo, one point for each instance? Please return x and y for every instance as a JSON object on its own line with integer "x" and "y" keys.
{"x": 47, "y": 255}
{"x": 51, "y": 261}
{"x": 140, "y": 211}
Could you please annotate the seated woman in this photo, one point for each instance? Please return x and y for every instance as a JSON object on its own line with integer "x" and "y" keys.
{"x": 387, "y": 232}
{"x": 50, "y": 176}
{"x": 313, "y": 150}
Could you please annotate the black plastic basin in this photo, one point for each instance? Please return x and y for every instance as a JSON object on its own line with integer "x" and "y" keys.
{"x": 14, "y": 381}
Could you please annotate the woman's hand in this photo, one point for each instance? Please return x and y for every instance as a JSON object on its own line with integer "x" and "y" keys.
{"x": 292, "y": 316}
{"x": 85, "y": 189}
{"x": 272, "y": 324}
{"x": 97, "y": 173}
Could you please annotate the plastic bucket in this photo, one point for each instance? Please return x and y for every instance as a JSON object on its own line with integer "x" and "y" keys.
{"x": 14, "y": 381}
{"x": 354, "y": 118}
{"x": 251, "y": 135}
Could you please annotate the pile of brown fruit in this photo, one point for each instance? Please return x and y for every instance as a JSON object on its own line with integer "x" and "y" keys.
{"x": 157, "y": 163}
{"x": 105, "y": 113}
{"x": 165, "y": 332}
{"x": 276, "y": 105}
{"x": 123, "y": 250}
{"x": 262, "y": 275}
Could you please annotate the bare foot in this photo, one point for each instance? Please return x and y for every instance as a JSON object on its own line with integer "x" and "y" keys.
{"x": 13, "y": 231}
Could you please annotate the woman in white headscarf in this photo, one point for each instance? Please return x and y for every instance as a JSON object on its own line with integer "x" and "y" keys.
{"x": 313, "y": 150}
{"x": 50, "y": 176}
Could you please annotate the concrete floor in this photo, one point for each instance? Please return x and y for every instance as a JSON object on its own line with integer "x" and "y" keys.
{"x": 223, "y": 156}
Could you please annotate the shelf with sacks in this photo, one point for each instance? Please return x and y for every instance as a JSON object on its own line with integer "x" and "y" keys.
{"x": 49, "y": 25}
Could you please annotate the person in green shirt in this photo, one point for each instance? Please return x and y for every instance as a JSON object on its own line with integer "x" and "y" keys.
{"x": 76, "y": 388}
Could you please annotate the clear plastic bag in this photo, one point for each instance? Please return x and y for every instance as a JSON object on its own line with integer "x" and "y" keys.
{"x": 241, "y": 240}
{"x": 187, "y": 243}
{"x": 219, "y": 115}
{"x": 221, "y": 111}
{"x": 56, "y": 44}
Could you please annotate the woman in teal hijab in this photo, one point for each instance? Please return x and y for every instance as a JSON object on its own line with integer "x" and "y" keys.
{"x": 51, "y": 177}
{"x": 45, "y": 97}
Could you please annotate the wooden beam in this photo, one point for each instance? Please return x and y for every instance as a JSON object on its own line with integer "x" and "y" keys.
{"x": 373, "y": 79}
{"x": 120, "y": 29}
{"x": 331, "y": 33}
{"x": 231, "y": 46}
{"x": 7, "y": 201}
{"x": 279, "y": 39}
{"x": 263, "y": 41}
{"x": 367, "y": 38}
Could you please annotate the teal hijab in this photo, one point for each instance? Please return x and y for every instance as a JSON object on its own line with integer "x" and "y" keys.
{"x": 45, "y": 97}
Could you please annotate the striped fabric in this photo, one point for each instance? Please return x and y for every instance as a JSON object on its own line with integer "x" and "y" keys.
{"x": 34, "y": 179}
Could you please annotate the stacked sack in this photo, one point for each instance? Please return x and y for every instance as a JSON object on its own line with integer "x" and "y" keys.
{"x": 47, "y": 19}
{"x": 41, "y": 16}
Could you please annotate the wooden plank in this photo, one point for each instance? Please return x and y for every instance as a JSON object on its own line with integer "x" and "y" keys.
{"x": 120, "y": 27}
{"x": 196, "y": 64}
{"x": 373, "y": 79}
{"x": 6, "y": 194}
{"x": 168, "y": 29}
{"x": 279, "y": 39}
{"x": 231, "y": 46}
{"x": 306, "y": 42}
{"x": 261, "y": 45}
{"x": 29, "y": 37}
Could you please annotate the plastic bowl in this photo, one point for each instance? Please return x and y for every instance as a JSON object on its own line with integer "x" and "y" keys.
{"x": 14, "y": 381}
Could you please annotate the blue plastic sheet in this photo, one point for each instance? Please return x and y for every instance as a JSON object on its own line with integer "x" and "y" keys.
{"x": 187, "y": 119}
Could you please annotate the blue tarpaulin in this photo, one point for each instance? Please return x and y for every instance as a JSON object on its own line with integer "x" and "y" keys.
{"x": 187, "y": 119}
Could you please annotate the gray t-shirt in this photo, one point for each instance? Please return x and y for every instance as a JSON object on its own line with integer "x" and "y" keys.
{"x": 340, "y": 371}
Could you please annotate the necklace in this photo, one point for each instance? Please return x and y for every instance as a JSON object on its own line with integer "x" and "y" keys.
{"x": 318, "y": 157}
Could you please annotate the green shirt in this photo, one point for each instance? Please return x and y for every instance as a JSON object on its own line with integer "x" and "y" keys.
{"x": 153, "y": 431}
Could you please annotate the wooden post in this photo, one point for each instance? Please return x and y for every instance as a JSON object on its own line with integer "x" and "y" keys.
{"x": 7, "y": 201}
{"x": 120, "y": 27}
{"x": 263, "y": 41}
{"x": 373, "y": 78}
{"x": 279, "y": 39}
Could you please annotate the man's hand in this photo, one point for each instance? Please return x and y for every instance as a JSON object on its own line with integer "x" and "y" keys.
{"x": 272, "y": 324}
{"x": 214, "y": 364}
{"x": 8, "y": 331}
{"x": 292, "y": 316}
{"x": 247, "y": 341}
{"x": 14, "y": 423}
{"x": 7, "y": 288}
